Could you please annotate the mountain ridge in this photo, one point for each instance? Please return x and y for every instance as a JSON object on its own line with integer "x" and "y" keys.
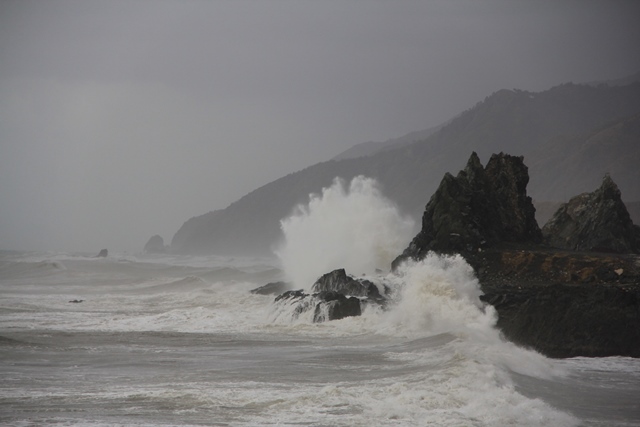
{"x": 515, "y": 121}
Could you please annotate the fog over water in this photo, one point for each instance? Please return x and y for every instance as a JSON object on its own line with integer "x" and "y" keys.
{"x": 122, "y": 119}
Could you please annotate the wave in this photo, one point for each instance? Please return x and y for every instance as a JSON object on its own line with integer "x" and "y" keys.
{"x": 352, "y": 227}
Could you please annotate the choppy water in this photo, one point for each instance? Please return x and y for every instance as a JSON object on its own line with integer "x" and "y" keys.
{"x": 181, "y": 341}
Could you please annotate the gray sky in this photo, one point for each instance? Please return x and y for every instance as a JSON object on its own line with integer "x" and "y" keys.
{"x": 123, "y": 119}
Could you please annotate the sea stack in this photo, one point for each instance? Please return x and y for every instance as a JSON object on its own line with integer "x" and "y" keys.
{"x": 478, "y": 208}
{"x": 155, "y": 245}
{"x": 594, "y": 222}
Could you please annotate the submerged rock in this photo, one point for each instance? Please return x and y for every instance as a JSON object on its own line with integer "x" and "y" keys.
{"x": 597, "y": 221}
{"x": 273, "y": 288}
{"x": 478, "y": 208}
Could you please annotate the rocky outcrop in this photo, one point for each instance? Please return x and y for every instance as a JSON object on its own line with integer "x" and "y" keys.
{"x": 564, "y": 320}
{"x": 562, "y": 303}
{"x": 339, "y": 282}
{"x": 326, "y": 305}
{"x": 597, "y": 221}
{"x": 155, "y": 245}
{"x": 335, "y": 295}
{"x": 335, "y": 306}
{"x": 479, "y": 208}
{"x": 102, "y": 254}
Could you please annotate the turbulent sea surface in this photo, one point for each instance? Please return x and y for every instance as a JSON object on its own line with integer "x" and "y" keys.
{"x": 162, "y": 340}
{"x": 169, "y": 340}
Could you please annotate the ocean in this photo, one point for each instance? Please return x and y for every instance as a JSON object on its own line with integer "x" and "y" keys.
{"x": 170, "y": 340}
{"x": 175, "y": 340}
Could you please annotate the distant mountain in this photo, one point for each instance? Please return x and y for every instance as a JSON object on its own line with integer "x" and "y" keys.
{"x": 370, "y": 148}
{"x": 633, "y": 78}
{"x": 568, "y": 164}
{"x": 552, "y": 129}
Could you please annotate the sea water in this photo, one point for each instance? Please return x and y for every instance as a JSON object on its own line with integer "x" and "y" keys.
{"x": 177, "y": 340}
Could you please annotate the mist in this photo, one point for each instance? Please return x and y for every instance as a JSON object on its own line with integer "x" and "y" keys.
{"x": 120, "y": 120}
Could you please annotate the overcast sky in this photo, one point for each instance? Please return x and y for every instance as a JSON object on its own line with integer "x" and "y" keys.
{"x": 123, "y": 119}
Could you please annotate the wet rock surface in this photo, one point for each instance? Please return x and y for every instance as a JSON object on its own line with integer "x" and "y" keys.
{"x": 597, "y": 221}
{"x": 478, "y": 208}
{"x": 563, "y": 303}
{"x": 338, "y": 281}
{"x": 577, "y": 301}
{"x": 335, "y": 295}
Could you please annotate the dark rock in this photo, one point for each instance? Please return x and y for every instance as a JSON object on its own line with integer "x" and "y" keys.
{"x": 327, "y": 305}
{"x": 76, "y": 301}
{"x": 479, "y": 208}
{"x": 597, "y": 221}
{"x": 334, "y": 306}
{"x": 155, "y": 245}
{"x": 273, "y": 288}
{"x": 338, "y": 281}
{"x": 563, "y": 303}
{"x": 567, "y": 320}
{"x": 291, "y": 295}
{"x": 102, "y": 254}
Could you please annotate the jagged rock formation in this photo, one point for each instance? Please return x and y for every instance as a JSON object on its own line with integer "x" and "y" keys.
{"x": 326, "y": 305}
{"x": 338, "y": 281}
{"x": 336, "y": 295}
{"x": 479, "y": 208}
{"x": 597, "y": 221}
{"x": 561, "y": 303}
{"x": 155, "y": 245}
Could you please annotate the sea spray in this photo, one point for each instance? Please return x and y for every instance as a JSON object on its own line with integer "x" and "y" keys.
{"x": 435, "y": 295}
{"x": 352, "y": 227}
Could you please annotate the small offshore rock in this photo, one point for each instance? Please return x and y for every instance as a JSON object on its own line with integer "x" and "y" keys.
{"x": 155, "y": 245}
{"x": 339, "y": 281}
{"x": 335, "y": 306}
{"x": 102, "y": 254}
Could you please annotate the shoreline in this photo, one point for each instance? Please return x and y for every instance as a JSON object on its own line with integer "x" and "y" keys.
{"x": 563, "y": 303}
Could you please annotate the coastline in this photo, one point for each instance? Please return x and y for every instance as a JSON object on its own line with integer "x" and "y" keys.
{"x": 563, "y": 303}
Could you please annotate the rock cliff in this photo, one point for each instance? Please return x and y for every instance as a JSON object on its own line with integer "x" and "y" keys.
{"x": 478, "y": 208}
{"x": 563, "y": 303}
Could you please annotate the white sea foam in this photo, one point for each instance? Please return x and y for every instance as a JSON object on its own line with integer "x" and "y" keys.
{"x": 352, "y": 227}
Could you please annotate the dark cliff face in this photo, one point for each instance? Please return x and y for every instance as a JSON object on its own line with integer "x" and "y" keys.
{"x": 562, "y": 303}
{"x": 479, "y": 208}
{"x": 597, "y": 221}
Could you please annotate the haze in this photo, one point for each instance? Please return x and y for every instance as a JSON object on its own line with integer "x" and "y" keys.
{"x": 123, "y": 119}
